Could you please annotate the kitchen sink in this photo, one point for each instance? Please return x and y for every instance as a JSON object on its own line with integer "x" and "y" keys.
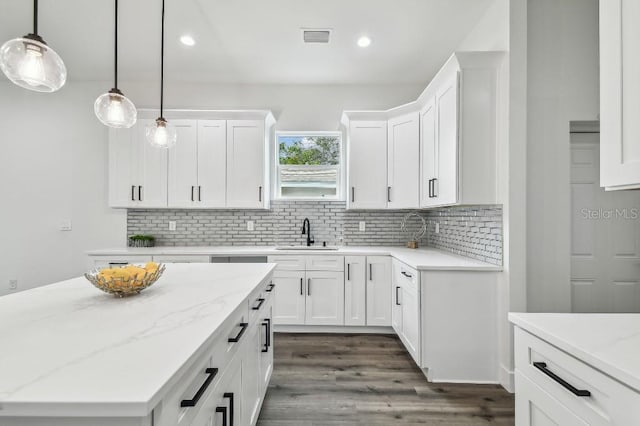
{"x": 306, "y": 248}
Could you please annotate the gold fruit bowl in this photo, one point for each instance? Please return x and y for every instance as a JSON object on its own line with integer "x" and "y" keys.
{"x": 125, "y": 281}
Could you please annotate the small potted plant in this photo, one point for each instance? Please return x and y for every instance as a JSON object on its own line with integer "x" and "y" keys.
{"x": 142, "y": 241}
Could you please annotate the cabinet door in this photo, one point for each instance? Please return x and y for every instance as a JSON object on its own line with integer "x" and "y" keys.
{"x": 212, "y": 163}
{"x": 535, "y": 407}
{"x": 429, "y": 154}
{"x": 245, "y": 164}
{"x": 266, "y": 348}
{"x": 355, "y": 295}
{"x": 411, "y": 321}
{"x": 289, "y": 303}
{"x": 152, "y": 165}
{"x": 619, "y": 90}
{"x": 183, "y": 165}
{"x": 325, "y": 298}
{"x": 251, "y": 378}
{"x": 396, "y": 308}
{"x": 403, "y": 162}
{"x": 367, "y": 169}
{"x": 378, "y": 290}
{"x": 445, "y": 187}
{"x": 123, "y": 152}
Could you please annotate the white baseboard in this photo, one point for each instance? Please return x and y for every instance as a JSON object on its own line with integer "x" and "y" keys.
{"x": 507, "y": 379}
{"x": 332, "y": 329}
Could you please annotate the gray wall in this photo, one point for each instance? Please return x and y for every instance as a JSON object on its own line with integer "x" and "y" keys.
{"x": 474, "y": 232}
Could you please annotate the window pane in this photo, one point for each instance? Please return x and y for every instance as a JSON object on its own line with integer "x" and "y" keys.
{"x": 309, "y": 166}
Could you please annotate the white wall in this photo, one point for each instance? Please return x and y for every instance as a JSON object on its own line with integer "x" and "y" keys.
{"x": 563, "y": 86}
{"x": 54, "y": 156}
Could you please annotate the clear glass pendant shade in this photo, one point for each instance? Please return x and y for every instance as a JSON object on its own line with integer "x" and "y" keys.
{"x": 161, "y": 135}
{"x": 30, "y": 63}
{"x": 114, "y": 109}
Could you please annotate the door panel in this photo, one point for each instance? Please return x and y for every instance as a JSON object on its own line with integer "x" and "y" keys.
{"x": 212, "y": 163}
{"x": 123, "y": 154}
{"x": 289, "y": 303}
{"x": 183, "y": 161}
{"x": 378, "y": 290}
{"x": 367, "y": 170}
{"x": 153, "y": 170}
{"x": 429, "y": 153}
{"x": 403, "y": 162}
{"x": 325, "y": 298}
{"x": 355, "y": 290}
{"x": 245, "y": 163}
{"x": 446, "y": 185}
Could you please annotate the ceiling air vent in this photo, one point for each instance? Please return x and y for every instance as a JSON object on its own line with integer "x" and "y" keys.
{"x": 316, "y": 36}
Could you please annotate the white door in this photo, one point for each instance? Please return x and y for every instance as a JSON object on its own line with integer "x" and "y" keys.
{"x": 123, "y": 152}
{"x": 445, "y": 187}
{"x": 152, "y": 172}
{"x": 378, "y": 290}
{"x": 403, "y": 162}
{"x": 212, "y": 163}
{"x": 619, "y": 90}
{"x": 325, "y": 298}
{"x": 411, "y": 321}
{"x": 367, "y": 171}
{"x": 535, "y": 407}
{"x": 429, "y": 154}
{"x": 605, "y": 237}
{"x": 289, "y": 303}
{"x": 245, "y": 163}
{"x": 355, "y": 296}
{"x": 183, "y": 165}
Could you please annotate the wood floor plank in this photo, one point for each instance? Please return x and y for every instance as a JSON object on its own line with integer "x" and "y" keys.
{"x": 358, "y": 380}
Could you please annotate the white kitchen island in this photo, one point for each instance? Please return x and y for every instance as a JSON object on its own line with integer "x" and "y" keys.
{"x": 192, "y": 349}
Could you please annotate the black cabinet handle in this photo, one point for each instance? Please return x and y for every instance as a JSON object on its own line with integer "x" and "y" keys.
{"x": 435, "y": 180}
{"x": 140, "y": 193}
{"x": 397, "y": 302}
{"x": 212, "y": 372}
{"x": 371, "y": 272}
{"x": 542, "y": 366}
{"x": 406, "y": 274}
{"x": 348, "y": 272}
{"x": 192, "y": 188}
{"x": 259, "y": 305}
{"x": 270, "y": 287}
{"x": 388, "y": 194}
{"x": 243, "y": 328}
{"x": 229, "y": 395}
{"x": 199, "y": 193}
{"x": 133, "y": 192}
{"x": 301, "y": 290}
{"x": 353, "y": 194}
{"x": 308, "y": 286}
{"x": 430, "y": 188}
{"x": 222, "y": 410}
{"x": 260, "y": 193}
{"x": 267, "y": 327}
{"x": 118, "y": 263}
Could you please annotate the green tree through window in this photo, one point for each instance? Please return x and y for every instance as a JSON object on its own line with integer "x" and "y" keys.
{"x": 313, "y": 150}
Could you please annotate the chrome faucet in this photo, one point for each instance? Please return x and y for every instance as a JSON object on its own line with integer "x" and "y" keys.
{"x": 306, "y": 230}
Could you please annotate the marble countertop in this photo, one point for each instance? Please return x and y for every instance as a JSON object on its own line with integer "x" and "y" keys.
{"x": 70, "y": 350}
{"x": 608, "y": 342}
{"x": 421, "y": 259}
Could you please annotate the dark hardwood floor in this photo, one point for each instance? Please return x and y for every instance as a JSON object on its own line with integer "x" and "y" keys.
{"x": 349, "y": 380}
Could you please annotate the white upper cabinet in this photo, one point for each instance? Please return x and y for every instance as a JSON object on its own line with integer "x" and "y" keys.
{"x": 137, "y": 171}
{"x": 428, "y": 153}
{"x": 246, "y": 184}
{"x": 444, "y": 186}
{"x": 619, "y": 94}
{"x": 212, "y": 163}
{"x": 367, "y": 165}
{"x": 183, "y": 160}
{"x": 403, "y": 162}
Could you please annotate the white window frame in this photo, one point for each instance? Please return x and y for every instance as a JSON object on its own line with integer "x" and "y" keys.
{"x": 275, "y": 175}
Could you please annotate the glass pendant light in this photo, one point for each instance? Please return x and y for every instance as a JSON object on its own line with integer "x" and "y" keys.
{"x": 30, "y": 63}
{"x": 161, "y": 135}
{"x": 113, "y": 108}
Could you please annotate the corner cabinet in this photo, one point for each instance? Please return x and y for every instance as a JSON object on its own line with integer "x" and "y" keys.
{"x": 217, "y": 162}
{"x": 619, "y": 94}
{"x": 403, "y": 162}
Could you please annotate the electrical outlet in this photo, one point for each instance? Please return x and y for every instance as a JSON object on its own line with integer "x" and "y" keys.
{"x": 437, "y": 228}
{"x": 65, "y": 225}
{"x": 13, "y": 284}
{"x": 172, "y": 225}
{"x": 363, "y": 226}
{"x": 250, "y": 226}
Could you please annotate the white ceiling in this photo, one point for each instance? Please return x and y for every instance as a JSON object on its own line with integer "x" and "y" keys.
{"x": 252, "y": 41}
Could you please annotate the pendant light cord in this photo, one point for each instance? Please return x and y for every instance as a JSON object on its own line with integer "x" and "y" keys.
{"x": 162, "y": 65}
{"x": 35, "y": 17}
{"x": 115, "y": 73}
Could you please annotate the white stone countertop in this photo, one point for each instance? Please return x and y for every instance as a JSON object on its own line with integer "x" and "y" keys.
{"x": 608, "y": 342}
{"x": 69, "y": 349}
{"x": 421, "y": 259}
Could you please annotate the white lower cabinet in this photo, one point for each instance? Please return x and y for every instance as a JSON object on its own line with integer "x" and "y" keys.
{"x": 289, "y": 306}
{"x": 355, "y": 290}
{"x": 406, "y": 307}
{"x": 367, "y": 287}
{"x": 325, "y": 298}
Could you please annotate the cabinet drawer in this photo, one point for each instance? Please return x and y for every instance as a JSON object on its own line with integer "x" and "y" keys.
{"x": 608, "y": 402}
{"x": 405, "y": 276}
{"x": 234, "y": 332}
{"x": 109, "y": 261}
{"x": 325, "y": 263}
{"x": 182, "y": 258}
{"x": 259, "y": 299}
{"x": 288, "y": 263}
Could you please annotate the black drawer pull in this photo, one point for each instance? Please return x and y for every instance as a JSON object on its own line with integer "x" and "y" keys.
{"x": 243, "y": 328}
{"x": 229, "y": 395}
{"x": 259, "y": 305}
{"x": 397, "y": 288}
{"x": 406, "y": 274}
{"x": 542, "y": 366}
{"x": 222, "y": 410}
{"x": 270, "y": 288}
{"x": 301, "y": 291}
{"x": 212, "y": 372}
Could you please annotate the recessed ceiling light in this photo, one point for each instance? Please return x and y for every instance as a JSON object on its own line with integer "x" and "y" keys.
{"x": 364, "y": 41}
{"x": 187, "y": 40}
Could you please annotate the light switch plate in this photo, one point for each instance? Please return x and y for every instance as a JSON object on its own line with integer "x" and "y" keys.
{"x": 363, "y": 226}
{"x": 250, "y": 226}
{"x": 172, "y": 225}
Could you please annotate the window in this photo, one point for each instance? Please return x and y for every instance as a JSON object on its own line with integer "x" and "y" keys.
{"x": 309, "y": 165}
